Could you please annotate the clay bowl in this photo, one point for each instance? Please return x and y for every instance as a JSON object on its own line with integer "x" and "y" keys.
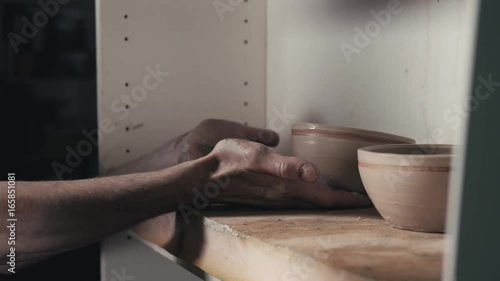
{"x": 334, "y": 151}
{"x": 408, "y": 184}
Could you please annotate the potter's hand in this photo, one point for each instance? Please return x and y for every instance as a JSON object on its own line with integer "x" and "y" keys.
{"x": 250, "y": 173}
{"x": 202, "y": 139}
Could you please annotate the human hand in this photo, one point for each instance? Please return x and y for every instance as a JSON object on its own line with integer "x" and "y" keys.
{"x": 252, "y": 174}
{"x": 203, "y": 138}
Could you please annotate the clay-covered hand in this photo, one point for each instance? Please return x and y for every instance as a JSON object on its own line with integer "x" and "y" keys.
{"x": 203, "y": 138}
{"x": 250, "y": 173}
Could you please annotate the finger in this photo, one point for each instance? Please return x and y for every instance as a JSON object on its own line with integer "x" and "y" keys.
{"x": 326, "y": 197}
{"x": 280, "y": 203}
{"x": 344, "y": 199}
{"x": 286, "y": 167}
{"x": 267, "y": 194}
{"x": 291, "y": 194}
{"x": 264, "y": 136}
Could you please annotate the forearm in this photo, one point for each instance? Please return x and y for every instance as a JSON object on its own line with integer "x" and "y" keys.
{"x": 53, "y": 217}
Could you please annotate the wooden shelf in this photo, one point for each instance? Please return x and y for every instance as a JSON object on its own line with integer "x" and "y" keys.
{"x": 291, "y": 245}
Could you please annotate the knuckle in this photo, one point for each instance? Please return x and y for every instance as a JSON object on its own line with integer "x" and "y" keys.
{"x": 207, "y": 123}
{"x": 220, "y": 147}
{"x": 259, "y": 152}
{"x": 262, "y": 150}
{"x": 255, "y": 153}
{"x": 283, "y": 168}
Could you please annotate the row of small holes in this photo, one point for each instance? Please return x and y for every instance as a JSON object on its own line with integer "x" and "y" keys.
{"x": 246, "y": 82}
{"x": 126, "y": 106}
{"x": 126, "y": 84}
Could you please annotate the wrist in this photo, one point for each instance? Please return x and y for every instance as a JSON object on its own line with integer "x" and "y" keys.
{"x": 190, "y": 176}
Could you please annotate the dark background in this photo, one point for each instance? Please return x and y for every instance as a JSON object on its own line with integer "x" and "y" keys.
{"x": 49, "y": 92}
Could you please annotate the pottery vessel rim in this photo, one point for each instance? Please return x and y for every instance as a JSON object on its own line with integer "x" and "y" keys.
{"x": 384, "y": 151}
{"x": 324, "y": 130}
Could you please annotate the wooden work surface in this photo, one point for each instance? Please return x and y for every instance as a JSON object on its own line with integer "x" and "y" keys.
{"x": 291, "y": 245}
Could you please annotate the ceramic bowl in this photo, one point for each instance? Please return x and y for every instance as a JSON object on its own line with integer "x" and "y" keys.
{"x": 408, "y": 184}
{"x": 334, "y": 151}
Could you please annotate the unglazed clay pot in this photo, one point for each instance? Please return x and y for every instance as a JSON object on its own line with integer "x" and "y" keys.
{"x": 334, "y": 151}
{"x": 408, "y": 184}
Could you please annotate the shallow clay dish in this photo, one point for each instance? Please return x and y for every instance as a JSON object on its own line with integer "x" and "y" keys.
{"x": 408, "y": 184}
{"x": 334, "y": 151}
